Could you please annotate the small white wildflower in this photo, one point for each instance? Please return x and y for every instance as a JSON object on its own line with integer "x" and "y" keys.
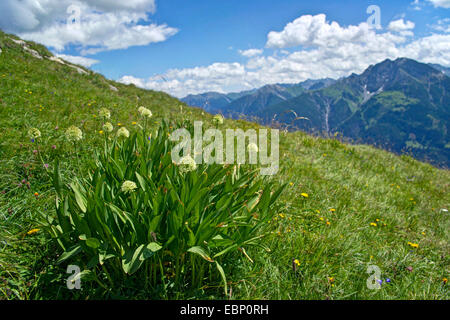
{"x": 187, "y": 164}
{"x": 74, "y": 133}
{"x": 105, "y": 113}
{"x": 145, "y": 112}
{"x": 123, "y": 132}
{"x": 108, "y": 127}
{"x": 218, "y": 119}
{"x": 34, "y": 133}
{"x": 128, "y": 186}
{"x": 252, "y": 147}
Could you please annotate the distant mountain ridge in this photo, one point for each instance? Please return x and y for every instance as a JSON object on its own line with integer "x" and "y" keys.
{"x": 249, "y": 102}
{"x": 401, "y": 105}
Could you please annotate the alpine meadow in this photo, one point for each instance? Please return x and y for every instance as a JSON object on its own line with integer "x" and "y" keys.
{"x": 95, "y": 206}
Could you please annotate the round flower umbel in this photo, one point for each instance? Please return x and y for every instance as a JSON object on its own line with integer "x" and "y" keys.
{"x": 108, "y": 127}
{"x": 128, "y": 186}
{"x": 34, "y": 133}
{"x": 252, "y": 147}
{"x": 187, "y": 164}
{"x": 74, "y": 133}
{"x": 123, "y": 132}
{"x": 145, "y": 112}
{"x": 218, "y": 119}
{"x": 105, "y": 113}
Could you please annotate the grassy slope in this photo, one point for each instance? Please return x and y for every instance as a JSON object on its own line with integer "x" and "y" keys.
{"x": 361, "y": 183}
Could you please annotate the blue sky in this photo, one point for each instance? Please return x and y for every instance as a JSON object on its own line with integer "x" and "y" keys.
{"x": 182, "y": 46}
{"x": 213, "y": 30}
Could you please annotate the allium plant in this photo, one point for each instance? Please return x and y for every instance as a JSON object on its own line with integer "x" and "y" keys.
{"x": 139, "y": 216}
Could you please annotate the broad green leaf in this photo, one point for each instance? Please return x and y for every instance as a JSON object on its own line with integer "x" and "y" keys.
{"x": 201, "y": 252}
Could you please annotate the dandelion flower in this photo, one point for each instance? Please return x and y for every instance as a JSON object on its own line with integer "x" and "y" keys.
{"x": 33, "y": 231}
{"x": 104, "y": 113}
{"x": 304, "y": 195}
{"x": 373, "y": 224}
{"x": 123, "y": 132}
{"x": 252, "y": 147}
{"x": 128, "y": 186}
{"x": 187, "y": 164}
{"x": 297, "y": 262}
{"x": 108, "y": 127}
{"x": 445, "y": 280}
{"x": 145, "y": 112}
{"x": 333, "y": 210}
{"x": 74, "y": 133}
{"x": 218, "y": 119}
{"x": 34, "y": 133}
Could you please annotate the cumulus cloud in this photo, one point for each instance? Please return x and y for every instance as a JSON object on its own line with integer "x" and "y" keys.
{"x": 441, "y": 3}
{"x": 92, "y": 25}
{"x": 402, "y": 27}
{"x": 320, "y": 49}
{"x": 251, "y": 52}
{"x": 82, "y": 61}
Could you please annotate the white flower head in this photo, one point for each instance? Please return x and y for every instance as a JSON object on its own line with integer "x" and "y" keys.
{"x": 108, "y": 127}
{"x": 123, "y": 132}
{"x": 252, "y": 147}
{"x": 105, "y": 113}
{"x": 218, "y": 119}
{"x": 34, "y": 133}
{"x": 74, "y": 133}
{"x": 128, "y": 186}
{"x": 187, "y": 164}
{"x": 145, "y": 112}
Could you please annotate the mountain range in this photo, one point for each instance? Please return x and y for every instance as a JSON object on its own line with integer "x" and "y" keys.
{"x": 401, "y": 105}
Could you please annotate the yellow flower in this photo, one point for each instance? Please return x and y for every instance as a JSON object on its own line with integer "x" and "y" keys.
{"x": 445, "y": 280}
{"x": 377, "y": 220}
{"x": 333, "y": 210}
{"x": 101, "y": 132}
{"x": 413, "y": 245}
{"x": 297, "y": 262}
{"x": 134, "y": 123}
{"x": 328, "y": 222}
{"x": 373, "y": 224}
{"x": 281, "y": 216}
{"x": 331, "y": 279}
{"x": 321, "y": 219}
{"x": 304, "y": 195}
{"x": 33, "y": 231}
{"x": 291, "y": 184}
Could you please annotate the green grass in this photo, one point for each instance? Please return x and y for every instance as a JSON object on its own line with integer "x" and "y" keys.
{"x": 361, "y": 183}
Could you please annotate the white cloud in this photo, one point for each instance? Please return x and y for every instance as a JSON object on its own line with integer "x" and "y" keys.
{"x": 82, "y": 61}
{"x": 251, "y": 52}
{"x": 441, "y": 3}
{"x": 325, "y": 50}
{"x": 401, "y": 25}
{"x": 442, "y": 25}
{"x": 93, "y": 25}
